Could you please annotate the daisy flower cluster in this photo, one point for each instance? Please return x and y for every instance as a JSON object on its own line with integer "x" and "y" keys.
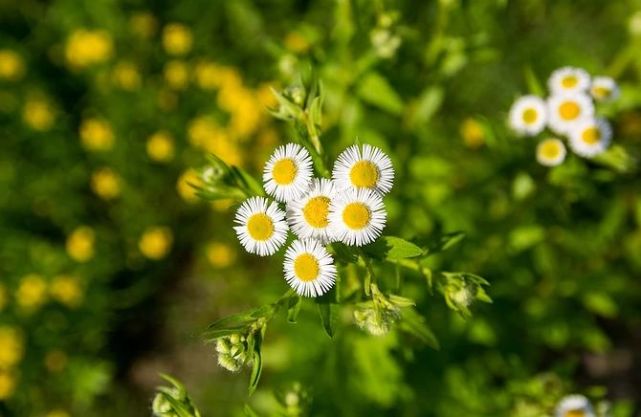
{"x": 570, "y": 112}
{"x": 347, "y": 208}
{"x": 575, "y": 405}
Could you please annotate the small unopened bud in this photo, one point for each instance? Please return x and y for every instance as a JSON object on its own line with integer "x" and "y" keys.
{"x": 232, "y": 352}
{"x": 377, "y": 321}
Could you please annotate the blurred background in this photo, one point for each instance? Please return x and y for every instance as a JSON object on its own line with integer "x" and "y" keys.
{"x": 111, "y": 267}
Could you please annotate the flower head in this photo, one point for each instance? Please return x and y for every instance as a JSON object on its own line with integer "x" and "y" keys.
{"x": 574, "y": 406}
{"x": 309, "y": 268}
{"x": 32, "y": 292}
{"x": 569, "y": 80}
{"x": 88, "y": 47}
{"x": 308, "y": 216}
{"x": 357, "y": 217}
{"x": 66, "y": 290}
{"x": 160, "y": 147}
{"x": 96, "y": 135}
{"x": 80, "y": 244}
{"x": 261, "y": 226}
{"x": 105, "y": 183}
{"x": 590, "y": 137}
{"x": 177, "y": 39}
{"x": 365, "y": 167}
{"x": 11, "y": 65}
{"x": 604, "y": 89}
{"x": 528, "y": 115}
{"x": 550, "y": 152}
{"x": 567, "y": 109}
{"x": 155, "y": 242}
{"x": 288, "y": 172}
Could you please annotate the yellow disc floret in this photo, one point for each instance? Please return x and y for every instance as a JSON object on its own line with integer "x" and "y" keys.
{"x": 260, "y": 227}
{"x": 591, "y": 135}
{"x": 316, "y": 211}
{"x": 530, "y": 116}
{"x": 569, "y": 110}
{"x": 364, "y": 174}
{"x": 570, "y": 81}
{"x": 284, "y": 171}
{"x": 356, "y": 215}
{"x": 306, "y": 267}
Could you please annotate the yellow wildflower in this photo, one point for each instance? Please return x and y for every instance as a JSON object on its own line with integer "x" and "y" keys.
{"x": 155, "y": 242}
{"x": 105, "y": 183}
{"x": 184, "y": 185}
{"x": 220, "y": 255}
{"x": 176, "y": 74}
{"x": 56, "y": 361}
{"x": 223, "y": 147}
{"x": 58, "y": 413}
{"x": 160, "y": 147}
{"x": 87, "y": 47}
{"x": 80, "y": 244}
{"x": 32, "y": 292}
{"x": 66, "y": 290}
{"x": 11, "y": 65}
{"x": 96, "y": 135}
{"x": 7, "y": 384}
{"x": 143, "y": 24}
{"x": 201, "y": 130}
{"x": 11, "y": 347}
{"x": 177, "y": 39}
{"x": 472, "y": 132}
{"x": 38, "y": 114}
{"x": 126, "y": 76}
{"x": 223, "y": 205}
{"x": 266, "y": 97}
{"x": 295, "y": 42}
{"x": 208, "y": 75}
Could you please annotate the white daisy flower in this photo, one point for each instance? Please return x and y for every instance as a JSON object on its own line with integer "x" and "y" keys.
{"x": 565, "y": 110}
{"x": 309, "y": 268}
{"x": 357, "y": 216}
{"x": 367, "y": 167}
{"x": 261, "y": 226}
{"x": 308, "y": 216}
{"x": 528, "y": 115}
{"x": 604, "y": 89}
{"x": 550, "y": 152}
{"x": 569, "y": 80}
{"x": 288, "y": 172}
{"x": 590, "y": 137}
{"x": 574, "y": 406}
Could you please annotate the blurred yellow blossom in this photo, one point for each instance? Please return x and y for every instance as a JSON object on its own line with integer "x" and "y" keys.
{"x": 220, "y": 255}
{"x": 143, "y": 24}
{"x": 266, "y": 97}
{"x": 223, "y": 205}
{"x": 31, "y": 292}
{"x": 160, "y": 147}
{"x": 38, "y": 114}
{"x": 155, "y": 242}
{"x": 184, "y": 185}
{"x": 177, "y": 39}
{"x": 11, "y": 65}
{"x": 56, "y": 360}
{"x": 472, "y": 132}
{"x": 297, "y": 43}
{"x": 66, "y": 290}
{"x": 4, "y": 297}
{"x": 176, "y": 74}
{"x": 80, "y": 244}
{"x": 86, "y": 47}
{"x": 126, "y": 75}
{"x": 223, "y": 147}
{"x": 7, "y": 384}
{"x": 105, "y": 183}
{"x": 11, "y": 346}
{"x": 208, "y": 75}
{"x": 96, "y": 135}
{"x": 201, "y": 129}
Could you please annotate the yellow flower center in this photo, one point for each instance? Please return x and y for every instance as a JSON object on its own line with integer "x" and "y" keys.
{"x": 530, "y": 116}
{"x": 284, "y": 171}
{"x": 601, "y": 92}
{"x": 570, "y": 81}
{"x": 306, "y": 267}
{"x": 260, "y": 227}
{"x": 569, "y": 110}
{"x": 549, "y": 149}
{"x": 591, "y": 135}
{"x": 356, "y": 215}
{"x": 316, "y": 210}
{"x": 574, "y": 413}
{"x": 364, "y": 174}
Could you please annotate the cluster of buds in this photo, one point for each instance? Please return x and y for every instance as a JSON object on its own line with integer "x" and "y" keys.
{"x": 232, "y": 352}
{"x": 380, "y": 315}
{"x": 173, "y": 401}
{"x": 383, "y": 37}
{"x": 461, "y": 290}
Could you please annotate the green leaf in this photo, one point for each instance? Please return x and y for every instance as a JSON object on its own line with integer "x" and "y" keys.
{"x": 414, "y": 323}
{"x": 236, "y": 323}
{"x": 393, "y": 248}
{"x": 247, "y": 180}
{"x": 257, "y": 363}
{"x": 343, "y": 253}
{"x": 441, "y": 242}
{"x": 533, "y": 84}
{"x": 426, "y": 106}
{"x": 293, "y": 308}
{"x": 249, "y": 412}
{"x": 376, "y": 90}
{"x": 329, "y": 317}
